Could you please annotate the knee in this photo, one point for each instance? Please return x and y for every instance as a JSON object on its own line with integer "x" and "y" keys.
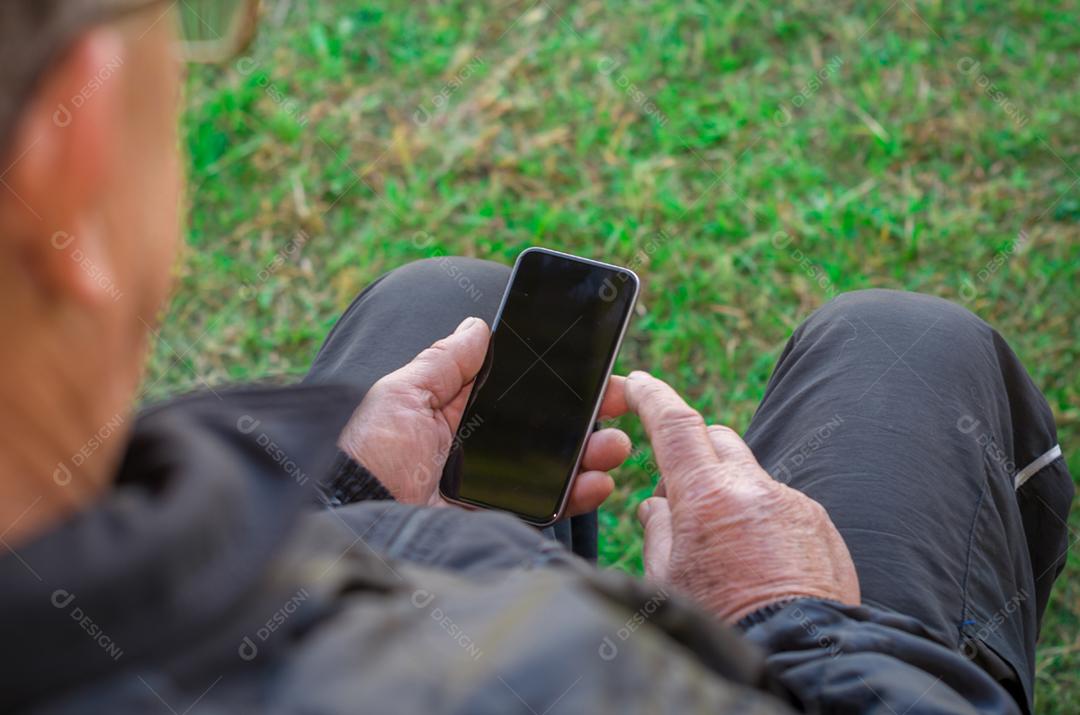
{"x": 455, "y": 276}
{"x": 902, "y": 320}
{"x": 896, "y": 308}
{"x": 457, "y": 265}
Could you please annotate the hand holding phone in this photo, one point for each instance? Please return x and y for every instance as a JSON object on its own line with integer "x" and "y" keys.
{"x": 402, "y": 430}
{"x": 405, "y": 426}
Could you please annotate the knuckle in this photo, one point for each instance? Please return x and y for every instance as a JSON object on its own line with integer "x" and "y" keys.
{"x": 678, "y": 443}
{"x": 729, "y": 444}
{"x": 752, "y": 493}
{"x": 804, "y": 510}
{"x": 678, "y": 418}
{"x": 700, "y": 487}
{"x": 650, "y": 396}
{"x": 817, "y": 512}
{"x": 430, "y": 369}
{"x": 437, "y": 351}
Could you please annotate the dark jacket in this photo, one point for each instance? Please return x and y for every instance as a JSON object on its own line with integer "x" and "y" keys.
{"x": 207, "y": 581}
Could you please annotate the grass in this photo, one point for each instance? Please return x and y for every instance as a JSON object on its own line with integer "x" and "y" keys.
{"x": 698, "y": 130}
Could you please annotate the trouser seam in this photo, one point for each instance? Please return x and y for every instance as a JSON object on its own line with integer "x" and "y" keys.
{"x": 967, "y": 561}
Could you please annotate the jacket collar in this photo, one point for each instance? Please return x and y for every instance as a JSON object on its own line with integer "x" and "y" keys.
{"x": 208, "y": 490}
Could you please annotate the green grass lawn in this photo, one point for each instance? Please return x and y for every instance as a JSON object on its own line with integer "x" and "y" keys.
{"x": 901, "y": 145}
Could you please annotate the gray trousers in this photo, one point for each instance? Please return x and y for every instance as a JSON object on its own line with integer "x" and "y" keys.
{"x": 906, "y": 416}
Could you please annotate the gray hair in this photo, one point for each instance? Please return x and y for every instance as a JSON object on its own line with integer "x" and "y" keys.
{"x": 34, "y": 34}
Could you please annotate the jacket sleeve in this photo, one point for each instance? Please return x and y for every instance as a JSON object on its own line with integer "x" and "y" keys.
{"x": 349, "y": 482}
{"x": 844, "y": 659}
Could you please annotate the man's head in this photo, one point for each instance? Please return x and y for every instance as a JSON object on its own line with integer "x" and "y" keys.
{"x": 88, "y": 203}
{"x": 90, "y": 182}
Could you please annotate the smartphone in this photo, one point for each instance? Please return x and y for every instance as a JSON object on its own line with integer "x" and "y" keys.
{"x": 537, "y": 396}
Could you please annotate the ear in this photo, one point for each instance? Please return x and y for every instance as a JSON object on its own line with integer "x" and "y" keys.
{"x": 64, "y": 156}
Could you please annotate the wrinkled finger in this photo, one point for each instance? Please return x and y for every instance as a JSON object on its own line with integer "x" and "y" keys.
{"x": 730, "y": 447}
{"x": 589, "y": 492}
{"x": 655, "y": 515}
{"x": 614, "y": 404}
{"x": 677, "y": 433}
{"x": 451, "y": 363}
{"x": 605, "y": 450}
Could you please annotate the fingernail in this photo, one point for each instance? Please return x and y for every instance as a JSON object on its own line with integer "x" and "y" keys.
{"x": 643, "y": 509}
{"x": 466, "y": 324}
{"x": 638, "y": 375}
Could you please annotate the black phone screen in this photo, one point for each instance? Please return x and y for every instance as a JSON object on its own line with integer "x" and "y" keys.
{"x": 534, "y": 401}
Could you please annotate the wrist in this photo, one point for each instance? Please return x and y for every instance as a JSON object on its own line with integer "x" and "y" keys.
{"x": 763, "y": 613}
{"x": 350, "y": 481}
{"x": 761, "y": 608}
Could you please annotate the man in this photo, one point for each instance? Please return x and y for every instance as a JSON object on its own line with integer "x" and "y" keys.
{"x": 894, "y": 555}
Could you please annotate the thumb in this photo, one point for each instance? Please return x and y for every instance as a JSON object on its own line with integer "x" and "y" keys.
{"x": 450, "y": 364}
{"x": 655, "y": 515}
